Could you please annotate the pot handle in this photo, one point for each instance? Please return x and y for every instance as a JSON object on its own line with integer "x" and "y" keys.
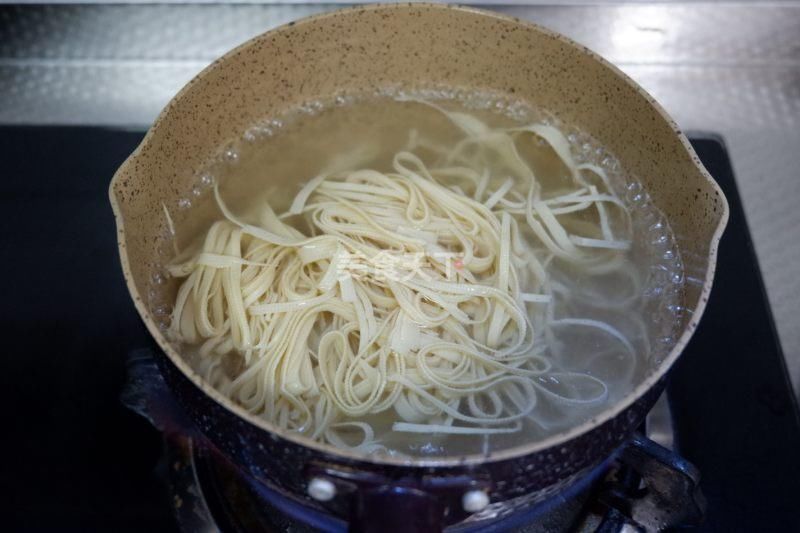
{"x": 655, "y": 489}
{"x": 147, "y": 394}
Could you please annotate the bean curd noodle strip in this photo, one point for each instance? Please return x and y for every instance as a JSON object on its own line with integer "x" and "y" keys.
{"x": 410, "y": 297}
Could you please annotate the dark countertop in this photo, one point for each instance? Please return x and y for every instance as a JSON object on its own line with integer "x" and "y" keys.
{"x": 75, "y": 457}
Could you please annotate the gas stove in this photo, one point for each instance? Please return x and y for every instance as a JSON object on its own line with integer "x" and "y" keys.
{"x": 90, "y": 463}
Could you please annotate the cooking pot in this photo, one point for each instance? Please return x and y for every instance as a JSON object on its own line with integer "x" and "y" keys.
{"x": 410, "y": 46}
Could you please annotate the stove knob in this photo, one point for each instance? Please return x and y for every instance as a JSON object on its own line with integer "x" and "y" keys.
{"x": 321, "y": 489}
{"x": 474, "y": 501}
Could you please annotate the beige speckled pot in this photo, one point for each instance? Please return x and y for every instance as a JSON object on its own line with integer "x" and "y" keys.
{"x": 415, "y": 45}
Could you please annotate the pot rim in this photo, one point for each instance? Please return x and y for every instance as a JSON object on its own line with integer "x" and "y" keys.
{"x": 448, "y": 461}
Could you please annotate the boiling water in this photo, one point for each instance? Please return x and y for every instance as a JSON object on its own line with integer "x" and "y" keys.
{"x": 641, "y": 299}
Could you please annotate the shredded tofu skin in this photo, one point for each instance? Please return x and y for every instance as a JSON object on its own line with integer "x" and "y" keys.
{"x": 410, "y": 297}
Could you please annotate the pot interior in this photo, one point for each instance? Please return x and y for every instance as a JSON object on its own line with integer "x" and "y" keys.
{"x": 393, "y": 48}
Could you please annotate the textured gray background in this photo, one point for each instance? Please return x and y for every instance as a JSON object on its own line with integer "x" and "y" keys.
{"x": 732, "y": 68}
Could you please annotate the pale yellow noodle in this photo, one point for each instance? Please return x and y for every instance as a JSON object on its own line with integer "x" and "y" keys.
{"x": 412, "y": 296}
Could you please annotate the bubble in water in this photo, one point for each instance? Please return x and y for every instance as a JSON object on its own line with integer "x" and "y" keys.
{"x": 430, "y": 449}
{"x": 666, "y": 340}
{"x": 262, "y": 131}
{"x": 518, "y": 115}
{"x": 518, "y": 111}
{"x": 311, "y": 108}
{"x": 660, "y": 239}
{"x": 675, "y": 309}
{"x": 638, "y": 199}
{"x": 231, "y": 155}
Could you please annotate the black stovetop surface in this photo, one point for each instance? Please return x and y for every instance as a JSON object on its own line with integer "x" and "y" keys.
{"x": 74, "y": 458}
